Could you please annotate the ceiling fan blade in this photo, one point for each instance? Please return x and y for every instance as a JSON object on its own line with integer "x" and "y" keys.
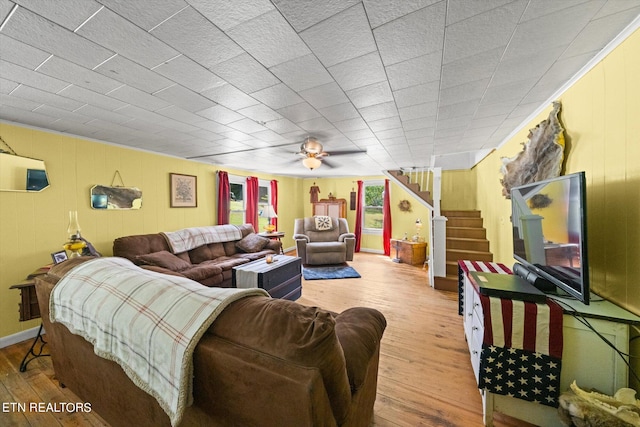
{"x": 328, "y": 164}
{"x": 344, "y": 152}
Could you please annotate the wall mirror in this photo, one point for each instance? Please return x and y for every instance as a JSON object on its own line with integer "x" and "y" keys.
{"x": 19, "y": 173}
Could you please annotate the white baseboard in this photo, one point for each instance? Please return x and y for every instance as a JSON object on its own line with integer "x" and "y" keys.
{"x": 19, "y": 337}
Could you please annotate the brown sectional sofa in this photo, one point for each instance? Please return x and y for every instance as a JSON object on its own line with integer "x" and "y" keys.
{"x": 209, "y": 264}
{"x": 264, "y": 362}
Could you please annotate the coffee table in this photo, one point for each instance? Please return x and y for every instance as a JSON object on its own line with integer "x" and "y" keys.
{"x": 281, "y": 279}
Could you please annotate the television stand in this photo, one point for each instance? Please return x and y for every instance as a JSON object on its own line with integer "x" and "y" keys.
{"x": 585, "y": 357}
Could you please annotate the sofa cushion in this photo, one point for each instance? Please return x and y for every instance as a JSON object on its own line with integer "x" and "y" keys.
{"x": 252, "y": 243}
{"x": 164, "y": 259}
{"x": 359, "y": 331}
{"x": 293, "y": 332}
{"x": 201, "y": 272}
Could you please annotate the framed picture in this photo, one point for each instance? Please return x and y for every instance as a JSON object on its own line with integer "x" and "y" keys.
{"x": 58, "y": 257}
{"x": 184, "y": 190}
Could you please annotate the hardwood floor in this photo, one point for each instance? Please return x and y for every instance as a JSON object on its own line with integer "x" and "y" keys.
{"x": 424, "y": 379}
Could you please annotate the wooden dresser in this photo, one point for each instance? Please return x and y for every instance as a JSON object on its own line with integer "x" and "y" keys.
{"x": 333, "y": 207}
{"x": 409, "y": 252}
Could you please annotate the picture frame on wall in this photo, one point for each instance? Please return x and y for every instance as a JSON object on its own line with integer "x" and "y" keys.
{"x": 184, "y": 190}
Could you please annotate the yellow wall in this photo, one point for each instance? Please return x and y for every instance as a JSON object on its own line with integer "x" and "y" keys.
{"x": 459, "y": 190}
{"x": 33, "y": 225}
{"x": 601, "y": 116}
{"x": 401, "y": 222}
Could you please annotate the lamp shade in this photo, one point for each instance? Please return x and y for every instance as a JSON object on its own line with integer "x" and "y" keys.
{"x": 311, "y": 162}
{"x": 268, "y": 212}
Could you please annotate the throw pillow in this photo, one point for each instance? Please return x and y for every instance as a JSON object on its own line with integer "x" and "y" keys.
{"x": 164, "y": 259}
{"x": 323, "y": 223}
{"x": 252, "y": 243}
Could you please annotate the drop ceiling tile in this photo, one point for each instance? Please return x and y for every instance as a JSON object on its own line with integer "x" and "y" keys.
{"x": 459, "y": 10}
{"x": 214, "y": 126}
{"x": 245, "y": 73}
{"x": 21, "y": 54}
{"x": 420, "y": 134}
{"x": 75, "y": 74}
{"x": 229, "y": 96}
{"x": 283, "y": 126}
{"x": 278, "y": 42}
{"x": 418, "y": 94}
{"x": 189, "y": 74}
{"x": 339, "y": 112}
{"x": 5, "y": 7}
{"x": 428, "y": 109}
{"x": 324, "y": 96}
{"x": 128, "y": 72}
{"x": 302, "y": 73}
{"x": 351, "y": 125}
{"x": 141, "y": 14}
{"x": 357, "y": 72}
{"x": 486, "y": 34}
{"x": 37, "y": 95}
{"x": 97, "y": 112}
{"x": 421, "y": 123}
{"x": 28, "y": 118}
{"x": 206, "y": 135}
{"x": 299, "y": 112}
{"x": 69, "y": 13}
{"x": 379, "y": 111}
{"x": 359, "y": 134}
{"x": 15, "y": 102}
{"x": 220, "y": 114}
{"x": 90, "y": 97}
{"x": 225, "y": 14}
{"x": 142, "y": 114}
{"x": 543, "y": 8}
{"x": 60, "y": 113}
{"x": 385, "y": 124}
{"x": 246, "y": 126}
{"x": 185, "y": 98}
{"x": 508, "y": 92}
{"x": 177, "y": 113}
{"x": 6, "y": 86}
{"x": 367, "y": 96}
{"x": 277, "y": 96}
{"x": 381, "y": 12}
{"x": 316, "y": 124}
{"x": 54, "y": 39}
{"x": 416, "y": 34}
{"x": 415, "y": 71}
{"x": 204, "y": 42}
{"x": 19, "y": 74}
{"x": 268, "y": 136}
{"x": 471, "y": 68}
{"x": 115, "y": 33}
{"x": 136, "y": 97}
{"x": 463, "y": 92}
{"x": 328, "y": 39}
{"x": 304, "y": 14}
{"x": 390, "y": 133}
{"x": 260, "y": 113}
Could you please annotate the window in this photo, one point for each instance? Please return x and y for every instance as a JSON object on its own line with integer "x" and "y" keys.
{"x": 372, "y": 210}
{"x": 238, "y": 196}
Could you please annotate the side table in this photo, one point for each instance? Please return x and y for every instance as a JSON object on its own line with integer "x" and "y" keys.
{"x": 29, "y": 309}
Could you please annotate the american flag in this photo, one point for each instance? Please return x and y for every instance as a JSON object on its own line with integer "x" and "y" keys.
{"x": 522, "y": 345}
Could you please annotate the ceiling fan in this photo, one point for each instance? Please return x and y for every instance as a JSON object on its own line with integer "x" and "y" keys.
{"x": 314, "y": 155}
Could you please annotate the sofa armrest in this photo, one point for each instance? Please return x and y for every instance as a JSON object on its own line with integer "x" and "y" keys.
{"x": 345, "y": 236}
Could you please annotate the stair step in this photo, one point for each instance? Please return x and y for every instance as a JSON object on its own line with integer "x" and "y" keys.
{"x": 467, "y": 232}
{"x": 464, "y": 222}
{"x": 457, "y": 254}
{"x": 481, "y": 245}
{"x": 451, "y": 268}
{"x": 449, "y": 283}
{"x": 460, "y": 213}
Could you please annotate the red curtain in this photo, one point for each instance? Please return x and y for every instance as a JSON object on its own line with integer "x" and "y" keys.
{"x": 252, "y": 202}
{"x": 358, "y": 230}
{"x": 224, "y": 198}
{"x": 386, "y": 219}
{"x": 274, "y": 201}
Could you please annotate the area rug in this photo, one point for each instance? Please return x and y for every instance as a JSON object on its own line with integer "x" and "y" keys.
{"x": 332, "y": 272}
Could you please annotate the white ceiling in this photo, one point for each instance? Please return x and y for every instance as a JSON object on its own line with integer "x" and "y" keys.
{"x": 407, "y": 81}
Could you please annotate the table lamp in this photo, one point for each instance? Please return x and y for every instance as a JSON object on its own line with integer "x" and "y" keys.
{"x": 269, "y": 213}
{"x": 75, "y": 245}
{"x": 416, "y": 238}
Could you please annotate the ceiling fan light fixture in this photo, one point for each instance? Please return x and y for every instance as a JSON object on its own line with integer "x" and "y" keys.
{"x": 311, "y": 163}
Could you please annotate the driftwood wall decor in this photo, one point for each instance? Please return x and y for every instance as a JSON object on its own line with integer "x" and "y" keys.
{"x": 541, "y": 157}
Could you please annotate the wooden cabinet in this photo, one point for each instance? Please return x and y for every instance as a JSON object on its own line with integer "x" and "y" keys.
{"x": 414, "y": 253}
{"x": 586, "y": 358}
{"x": 336, "y": 208}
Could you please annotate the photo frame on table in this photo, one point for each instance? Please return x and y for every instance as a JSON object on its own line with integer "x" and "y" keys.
{"x": 184, "y": 190}
{"x": 59, "y": 256}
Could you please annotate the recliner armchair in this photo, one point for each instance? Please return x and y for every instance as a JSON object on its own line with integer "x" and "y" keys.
{"x": 323, "y": 240}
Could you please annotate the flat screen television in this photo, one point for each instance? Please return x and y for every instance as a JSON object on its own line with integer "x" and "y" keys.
{"x": 549, "y": 221}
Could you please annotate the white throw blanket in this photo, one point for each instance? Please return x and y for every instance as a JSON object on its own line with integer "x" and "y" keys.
{"x": 147, "y": 322}
{"x": 194, "y": 237}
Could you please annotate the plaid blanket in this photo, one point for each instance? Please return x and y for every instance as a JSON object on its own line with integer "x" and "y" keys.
{"x": 194, "y": 237}
{"x": 149, "y": 323}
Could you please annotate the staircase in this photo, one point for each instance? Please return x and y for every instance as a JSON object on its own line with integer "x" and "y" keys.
{"x": 413, "y": 187}
{"x": 466, "y": 239}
